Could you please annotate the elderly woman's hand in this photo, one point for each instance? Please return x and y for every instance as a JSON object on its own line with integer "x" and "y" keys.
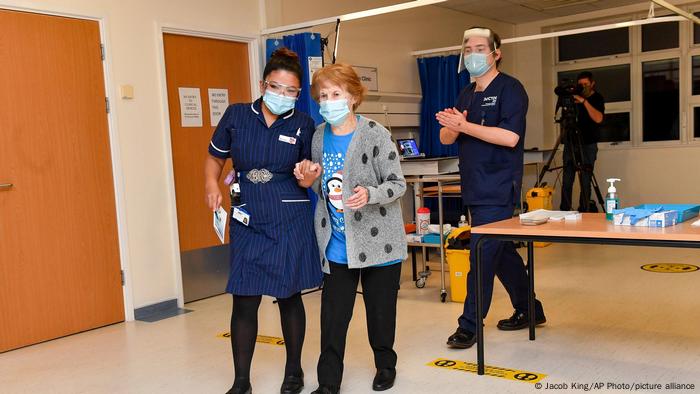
{"x": 307, "y": 172}
{"x": 357, "y": 200}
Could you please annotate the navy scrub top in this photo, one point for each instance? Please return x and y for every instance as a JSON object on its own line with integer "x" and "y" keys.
{"x": 492, "y": 174}
{"x": 276, "y": 254}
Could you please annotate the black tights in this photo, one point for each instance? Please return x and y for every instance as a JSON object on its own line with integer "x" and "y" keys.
{"x": 244, "y": 331}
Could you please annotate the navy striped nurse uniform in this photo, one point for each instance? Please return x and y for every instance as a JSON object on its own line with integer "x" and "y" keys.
{"x": 276, "y": 254}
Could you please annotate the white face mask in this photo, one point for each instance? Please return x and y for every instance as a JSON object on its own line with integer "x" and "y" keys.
{"x": 334, "y": 111}
{"x": 277, "y": 103}
{"x": 478, "y": 63}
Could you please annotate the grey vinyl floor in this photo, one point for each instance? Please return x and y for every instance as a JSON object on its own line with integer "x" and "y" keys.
{"x": 609, "y": 322}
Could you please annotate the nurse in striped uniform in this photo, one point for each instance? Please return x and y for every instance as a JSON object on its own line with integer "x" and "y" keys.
{"x": 273, "y": 250}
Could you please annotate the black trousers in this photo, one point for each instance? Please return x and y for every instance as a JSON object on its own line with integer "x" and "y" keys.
{"x": 590, "y": 152}
{"x": 380, "y": 287}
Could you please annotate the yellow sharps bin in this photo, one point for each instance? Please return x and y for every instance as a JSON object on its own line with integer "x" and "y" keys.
{"x": 458, "y": 263}
{"x": 539, "y": 198}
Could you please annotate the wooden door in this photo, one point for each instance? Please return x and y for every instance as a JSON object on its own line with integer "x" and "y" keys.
{"x": 59, "y": 247}
{"x": 200, "y": 63}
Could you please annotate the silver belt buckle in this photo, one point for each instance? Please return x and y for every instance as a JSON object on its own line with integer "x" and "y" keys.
{"x": 259, "y": 176}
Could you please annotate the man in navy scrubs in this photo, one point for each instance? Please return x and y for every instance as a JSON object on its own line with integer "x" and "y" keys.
{"x": 488, "y": 123}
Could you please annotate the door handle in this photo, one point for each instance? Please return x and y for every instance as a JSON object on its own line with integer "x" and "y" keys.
{"x": 5, "y": 186}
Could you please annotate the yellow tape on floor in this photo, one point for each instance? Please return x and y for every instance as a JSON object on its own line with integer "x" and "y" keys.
{"x": 670, "y": 268}
{"x": 260, "y": 339}
{"x": 504, "y": 373}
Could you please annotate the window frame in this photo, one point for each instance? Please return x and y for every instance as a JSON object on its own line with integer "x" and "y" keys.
{"x": 555, "y": 42}
{"x": 610, "y": 107}
{"x": 692, "y": 100}
{"x": 635, "y": 58}
{"x": 652, "y": 57}
{"x": 691, "y": 115}
{"x": 680, "y": 38}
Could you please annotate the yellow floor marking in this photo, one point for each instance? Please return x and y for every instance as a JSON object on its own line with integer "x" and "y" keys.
{"x": 260, "y": 339}
{"x": 504, "y": 373}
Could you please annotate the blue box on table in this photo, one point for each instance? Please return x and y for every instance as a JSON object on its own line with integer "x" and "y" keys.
{"x": 685, "y": 211}
{"x": 433, "y": 239}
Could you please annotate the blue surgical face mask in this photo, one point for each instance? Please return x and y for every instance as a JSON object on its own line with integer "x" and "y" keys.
{"x": 334, "y": 111}
{"x": 477, "y": 64}
{"x": 277, "y": 103}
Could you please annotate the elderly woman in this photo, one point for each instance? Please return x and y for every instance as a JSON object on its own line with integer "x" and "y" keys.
{"x": 359, "y": 227}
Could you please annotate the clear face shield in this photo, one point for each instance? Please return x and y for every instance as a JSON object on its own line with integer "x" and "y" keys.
{"x": 475, "y": 32}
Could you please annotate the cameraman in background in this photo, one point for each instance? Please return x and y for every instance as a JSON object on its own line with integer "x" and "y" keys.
{"x": 590, "y": 106}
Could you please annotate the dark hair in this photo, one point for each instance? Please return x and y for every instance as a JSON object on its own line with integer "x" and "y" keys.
{"x": 494, "y": 41}
{"x": 283, "y": 59}
{"x": 585, "y": 75}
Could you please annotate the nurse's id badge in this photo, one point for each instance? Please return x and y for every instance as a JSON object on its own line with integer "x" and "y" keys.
{"x": 241, "y": 215}
{"x": 288, "y": 139}
{"x": 220, "y": 217}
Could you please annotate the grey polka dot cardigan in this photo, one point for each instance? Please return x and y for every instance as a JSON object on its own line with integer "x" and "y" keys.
{"x": 374, "y": 233}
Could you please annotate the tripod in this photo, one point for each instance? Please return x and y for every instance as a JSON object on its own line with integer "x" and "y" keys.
{"x": 571, "y": 136}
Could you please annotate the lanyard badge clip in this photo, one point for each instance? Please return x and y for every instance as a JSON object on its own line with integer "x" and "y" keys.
{"x": 234, "y": 188}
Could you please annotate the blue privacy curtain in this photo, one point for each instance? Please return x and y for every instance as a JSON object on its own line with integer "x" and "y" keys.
{"x": 440, "y": 85}
{"x": 305, "y": 45}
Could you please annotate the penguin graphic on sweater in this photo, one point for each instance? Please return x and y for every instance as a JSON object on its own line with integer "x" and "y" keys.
{"x": 334, "y": 190}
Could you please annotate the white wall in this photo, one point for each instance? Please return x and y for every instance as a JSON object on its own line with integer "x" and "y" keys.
{"x": 133, "y": 48}
{"x": 650, "y": 174}
{"x": 386, "y": 41}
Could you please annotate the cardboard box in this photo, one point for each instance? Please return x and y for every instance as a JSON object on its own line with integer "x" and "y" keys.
{"x": 658, "y": 219}
{"x": 663, "y": 219}
{"x": 621, "y": 220}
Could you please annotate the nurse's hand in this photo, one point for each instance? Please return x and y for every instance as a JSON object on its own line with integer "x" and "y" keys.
{"x": 357, "y": 200}
{"x": 213, "y": 195}
{"x": 299, "y": 170}
{"x": 307, "y": 172}
{"x": 452, "y": 119}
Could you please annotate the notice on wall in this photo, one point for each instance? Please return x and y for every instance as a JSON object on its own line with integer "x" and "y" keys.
{"x": 315, "y": 64}
{"x": 190, "y": 107}
{"x": 218, "y": 102}
{"x": 368, "y": 76}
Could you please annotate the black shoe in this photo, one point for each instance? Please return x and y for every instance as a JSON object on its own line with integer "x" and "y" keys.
{"x": 461, "y": 339}
{"x": 240, "y": 388}
{"x": 518, "y": 321}
{"x": 384, "y": 379}
{"x": 292, "y": 384}
{"x": 326, "y": 389}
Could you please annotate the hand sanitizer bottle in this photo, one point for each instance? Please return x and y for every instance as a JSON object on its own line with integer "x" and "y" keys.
{"x": 462, "y": 221}
{"x": 612, "y": 201}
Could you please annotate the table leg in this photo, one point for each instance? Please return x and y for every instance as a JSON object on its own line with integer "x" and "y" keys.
{"x": 531, "y": 288}
{"x": 413, "y": 263}
{"x": 443, "y": 291}
{"x": 479, "y": 309}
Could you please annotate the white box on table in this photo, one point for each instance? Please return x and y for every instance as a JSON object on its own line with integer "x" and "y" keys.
{"x": 621, "y": 220}
{"x": 658, "y": 219}
{"x": 663, "y": 219}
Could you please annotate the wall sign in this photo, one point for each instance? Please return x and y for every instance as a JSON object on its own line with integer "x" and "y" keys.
{"x": 190, "y": 107}
{"x": 218, "y": 102}
{"x": 368, "y": 76}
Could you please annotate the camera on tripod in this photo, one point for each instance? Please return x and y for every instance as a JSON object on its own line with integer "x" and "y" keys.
{"x": 570, "y": 135}
{"x": 565, "y": 91}
{"x": 568, "y": 88}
